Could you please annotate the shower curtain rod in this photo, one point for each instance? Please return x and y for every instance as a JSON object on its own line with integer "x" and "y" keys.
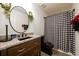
{"x": 58, "y": 13}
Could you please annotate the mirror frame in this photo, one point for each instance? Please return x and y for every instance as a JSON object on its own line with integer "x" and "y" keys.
{"x": 11, "y": 23}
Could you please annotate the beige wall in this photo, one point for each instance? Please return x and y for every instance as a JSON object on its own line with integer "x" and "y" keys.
{"x": 36, "y": 26}
{"x": 76, "y": 6}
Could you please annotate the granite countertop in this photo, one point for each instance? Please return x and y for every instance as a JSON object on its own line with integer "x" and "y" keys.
{"x": 15, "y": 41}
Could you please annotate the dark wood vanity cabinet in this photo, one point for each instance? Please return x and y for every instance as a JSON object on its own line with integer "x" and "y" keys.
{"x": 29, "y": 48}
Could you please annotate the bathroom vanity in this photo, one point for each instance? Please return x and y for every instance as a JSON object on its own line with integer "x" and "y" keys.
{"x": 27, "y": 47}
{"x": 21, "y": 45}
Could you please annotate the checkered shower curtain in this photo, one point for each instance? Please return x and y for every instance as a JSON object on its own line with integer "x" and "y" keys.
{"x": 59, "y": 31}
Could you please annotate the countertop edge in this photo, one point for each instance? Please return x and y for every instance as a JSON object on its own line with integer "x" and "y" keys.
{"x": 6, "y": 44}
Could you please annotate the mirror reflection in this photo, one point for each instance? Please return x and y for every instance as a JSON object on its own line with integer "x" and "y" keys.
{"x": 19, "y": 19}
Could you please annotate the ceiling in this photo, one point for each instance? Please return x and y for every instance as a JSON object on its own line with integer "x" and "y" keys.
{"x": 52, "y": 8}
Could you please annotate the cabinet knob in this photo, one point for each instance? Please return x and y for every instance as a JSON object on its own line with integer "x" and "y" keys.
{"x": 21, "y": 50}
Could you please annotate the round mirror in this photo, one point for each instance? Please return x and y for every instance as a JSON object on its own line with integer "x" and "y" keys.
{"x": 19, "y": 19}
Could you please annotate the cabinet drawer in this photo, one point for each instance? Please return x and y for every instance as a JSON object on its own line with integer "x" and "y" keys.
{"x": 32, "y": 51}
{"x": 17, "y": 50}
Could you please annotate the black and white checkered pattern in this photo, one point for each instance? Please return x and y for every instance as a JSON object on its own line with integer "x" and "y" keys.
{"x": 59, "y": 32}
